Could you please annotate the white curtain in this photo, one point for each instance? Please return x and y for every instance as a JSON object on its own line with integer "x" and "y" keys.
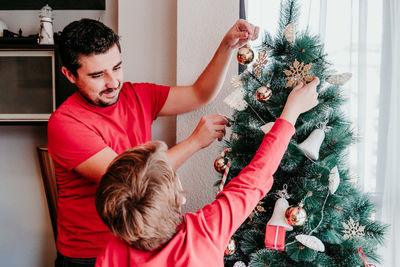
{"x": 389, "y": 131}
{"x": 351, "y": 31}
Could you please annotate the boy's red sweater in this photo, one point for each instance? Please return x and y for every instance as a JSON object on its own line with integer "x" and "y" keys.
{"x": 203, "y": 236}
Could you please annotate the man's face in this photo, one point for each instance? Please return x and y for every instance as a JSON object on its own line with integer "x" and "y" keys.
{"x": 99, "y": 79}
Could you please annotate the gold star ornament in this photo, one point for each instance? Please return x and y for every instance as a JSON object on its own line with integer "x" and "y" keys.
{"x": 298, "y": 73}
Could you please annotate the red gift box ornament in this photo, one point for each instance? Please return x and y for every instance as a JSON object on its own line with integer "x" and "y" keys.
{"x": 275, "y": 237}
{"x": 277, "y": 226}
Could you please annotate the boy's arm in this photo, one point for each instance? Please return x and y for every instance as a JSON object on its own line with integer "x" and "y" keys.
{"x": 234, "y": 204}
{"x": 219, "y": 220}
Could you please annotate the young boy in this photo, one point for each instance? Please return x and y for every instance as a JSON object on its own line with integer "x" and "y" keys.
{"x": 140, "y": 197}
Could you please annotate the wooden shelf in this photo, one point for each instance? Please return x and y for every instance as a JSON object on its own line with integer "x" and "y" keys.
{"x": 22, "y": 46}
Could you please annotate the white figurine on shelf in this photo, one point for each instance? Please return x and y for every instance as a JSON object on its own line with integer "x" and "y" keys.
{"x": 3, "y": 26}
{"x": 46, "y": 25}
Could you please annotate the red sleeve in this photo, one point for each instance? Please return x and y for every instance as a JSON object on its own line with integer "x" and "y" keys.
{"x": 66, "y": 147}
{"x": 115, "y": 253}
{"x": 220, "y": 219}
{"x": 162, "y": 93}
{"x": 155, "y": 94}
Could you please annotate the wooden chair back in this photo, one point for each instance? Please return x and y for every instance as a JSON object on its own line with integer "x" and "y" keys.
{"x": 50, "y": 184}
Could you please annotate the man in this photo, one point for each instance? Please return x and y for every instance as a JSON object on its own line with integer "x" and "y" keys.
{"x": 107, "y": 116}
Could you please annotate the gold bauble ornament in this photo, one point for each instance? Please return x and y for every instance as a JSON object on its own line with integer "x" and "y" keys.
{"x": 245, "y": 55}
{"x": 263, "y": 94}
{"x": 296, "y": 215}
{"x": 219, "y": 164}
{"x": 231, "y": 248}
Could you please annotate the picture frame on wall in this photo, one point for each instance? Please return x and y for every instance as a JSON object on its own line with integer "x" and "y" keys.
{"x": 54, "y": 4}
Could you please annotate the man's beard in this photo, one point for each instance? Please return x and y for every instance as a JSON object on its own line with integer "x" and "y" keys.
{"x": 108, "y": 90}
{"x": 98, "y": 102}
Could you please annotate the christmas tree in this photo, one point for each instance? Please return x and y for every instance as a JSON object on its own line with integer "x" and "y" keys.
{"x": 314, "y": 215}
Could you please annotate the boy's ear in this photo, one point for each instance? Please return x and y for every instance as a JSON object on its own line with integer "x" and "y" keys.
{"x": 67, "y": 73}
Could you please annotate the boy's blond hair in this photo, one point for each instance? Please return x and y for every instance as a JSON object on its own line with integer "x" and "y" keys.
{"x": 139, "y": 197}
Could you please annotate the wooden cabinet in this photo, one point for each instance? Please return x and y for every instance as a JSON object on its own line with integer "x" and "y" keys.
{"x": 31, "y": 85}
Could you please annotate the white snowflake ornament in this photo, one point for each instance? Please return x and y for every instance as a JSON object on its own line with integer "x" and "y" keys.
{"x": 352, "y": 229}
{"x": 236, "y": 81}
{"x": 235, "y": 100}
{"x": 311, "y": 242}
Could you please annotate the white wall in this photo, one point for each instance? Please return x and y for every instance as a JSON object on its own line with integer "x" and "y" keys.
{"x": 170, "y": 42}
{"x": 26, "y": 237}
{"x": 201, "y": 27}
{"x": 148, "y": 40}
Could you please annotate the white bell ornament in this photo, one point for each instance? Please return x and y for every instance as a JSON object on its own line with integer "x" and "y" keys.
{"x": 267, "y": 127}
{"x": 312, "y": 144}
{"x": 239, "y": 264}
{"x": 278, "y": 216}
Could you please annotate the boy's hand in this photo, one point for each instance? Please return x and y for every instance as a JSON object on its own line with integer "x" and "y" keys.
{"x": 240, "y": 33}
{"x": 210, "y": 127}
{"x": 301, "y": 99}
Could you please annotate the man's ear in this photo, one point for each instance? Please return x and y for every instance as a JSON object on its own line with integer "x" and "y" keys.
{"x": 67, "y": 73}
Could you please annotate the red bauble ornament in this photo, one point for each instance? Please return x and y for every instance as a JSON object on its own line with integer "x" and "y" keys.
{"x": 219, "y": 164}
{"x": 231, "y": 248}
{"x": 263, "y": 94}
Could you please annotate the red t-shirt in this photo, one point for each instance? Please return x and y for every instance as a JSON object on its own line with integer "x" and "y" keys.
{"x": 78, "y": 130}
{"x": 204, "y": 235}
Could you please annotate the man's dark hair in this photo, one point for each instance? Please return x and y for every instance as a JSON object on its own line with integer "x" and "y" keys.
{"x": 85, "y": 37}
